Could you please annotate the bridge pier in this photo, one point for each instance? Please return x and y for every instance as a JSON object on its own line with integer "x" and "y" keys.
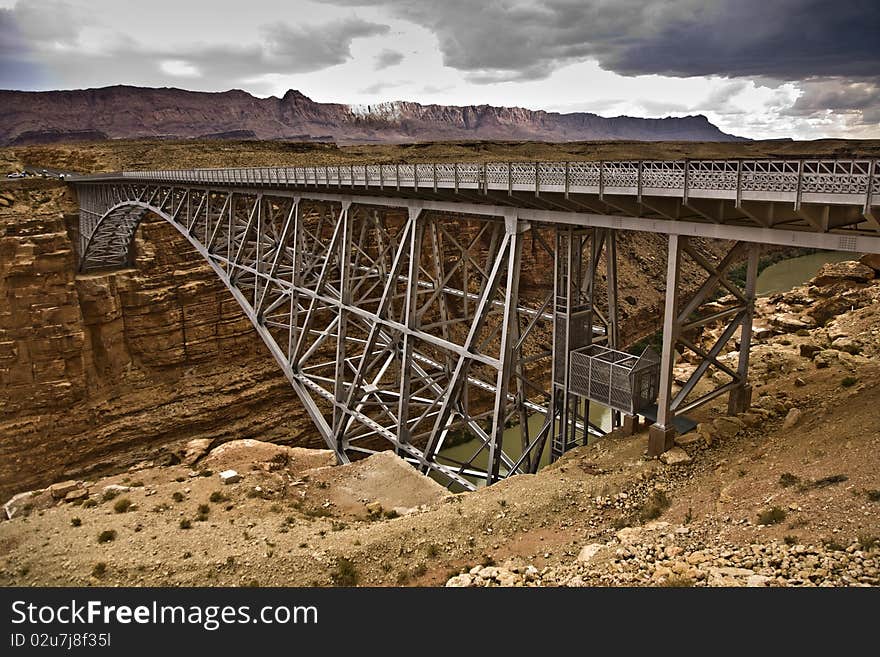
{"x": 682, "y": 323}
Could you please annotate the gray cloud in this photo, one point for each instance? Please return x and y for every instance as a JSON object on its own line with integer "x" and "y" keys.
{"x": 861, "y": 97}
{"x": 783, "y": 39}
{"x": 388, "y": 58}
{"x": 283, "y": 49}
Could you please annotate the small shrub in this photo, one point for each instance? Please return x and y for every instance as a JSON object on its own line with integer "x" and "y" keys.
{"x": 180, "y": 479}
{"x": 402, "y": 577}
{"x": 187, "y": 555}
{"x": 771, "y": 516}
{"x": 345, "y": 574}
{"x": 76, "y": 522}
{"x": 89, "y": 503}
{"x": 834, "y": 545}
{"x": 177, "y": 496}
{"x": 185, "y": 523}
{"x": 433, "y": 551}
{"x": 385, "y": 566}
{"x": 137, "y": 484}
{"x": 391, "y": 515}
{"x": 790, "y": 540}
{"x": 206, "y": 473}
{"x": 786, "y": 479}
{"x": 487, "y": 560}
{"x": 689, "y": 516}
{"x": 122, "y": 505}
{"x": 849, "y": 381}
{"x": 419, "y": 570}
{"x": 204, "y": 509}
{"x": 107, "y": 535}
{"x": 217, "y": 497}
{"x": 201, "y": 517}
{"x": 99, "y": 570}
{"x": 502, "y": 503}
{"x": 275, "y": 508}
{"x": 874, "y": 495}
{"x": 109, "y": 494}
{"x": 654, "y": 507}
{"x": 338, "y": 526}
{"x": 867, "y": 542}
{"x": 320, "y": 512}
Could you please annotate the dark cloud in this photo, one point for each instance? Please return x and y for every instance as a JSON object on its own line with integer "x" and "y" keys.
{"x": 388, "y": 58}
{"x": 821, "y": 96}
{"x": 783, "y": 39}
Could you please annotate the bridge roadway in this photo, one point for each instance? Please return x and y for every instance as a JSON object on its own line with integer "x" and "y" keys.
{"x": 389, "y": 293}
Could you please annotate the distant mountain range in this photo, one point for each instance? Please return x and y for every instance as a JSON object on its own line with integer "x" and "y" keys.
{"x": 124, "y": 112}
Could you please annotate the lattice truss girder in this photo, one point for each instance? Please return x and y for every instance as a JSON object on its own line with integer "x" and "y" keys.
{"x": 686, "y": 318}
{"x": 394, "y": 326}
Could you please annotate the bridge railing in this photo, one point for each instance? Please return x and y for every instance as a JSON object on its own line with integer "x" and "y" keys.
{"x": 823, "y": 181}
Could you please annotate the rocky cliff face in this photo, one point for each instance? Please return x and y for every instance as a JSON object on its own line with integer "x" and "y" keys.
{"x": 99, "y": 371}
{"x": 128, "y": 112}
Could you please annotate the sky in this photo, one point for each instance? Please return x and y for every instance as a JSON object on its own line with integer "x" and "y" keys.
{"x": 803, "y": 69}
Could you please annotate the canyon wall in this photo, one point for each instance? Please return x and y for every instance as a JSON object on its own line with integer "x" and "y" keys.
{"x": 99, "y": 371}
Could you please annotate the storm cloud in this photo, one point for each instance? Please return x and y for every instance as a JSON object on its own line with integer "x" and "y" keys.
{"x": 782, "y": 39}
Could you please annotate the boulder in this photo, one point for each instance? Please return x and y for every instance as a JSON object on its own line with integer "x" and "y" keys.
{"x": 847, "y": 344}
{"x": 871, "y": 260}
{"x": 826, "y": 358}
{"x": 60, "y": 490}
{"x": 675, "y": 456}
{"x": 727, "y": 427}
{"x": 32, "y": 500}
{"x": 837, "y": 272}
{"x": 809, "y": 350}
{"x": 77, "y": 494}
{"x": 229, "y": 477}
{"x": 195, "y": 449}
{"x": 791, "y": 323}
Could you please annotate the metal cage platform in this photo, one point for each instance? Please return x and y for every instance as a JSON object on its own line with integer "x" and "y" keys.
{"x": 614, "y": 378}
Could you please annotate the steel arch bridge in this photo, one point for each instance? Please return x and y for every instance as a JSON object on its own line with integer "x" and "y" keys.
{"x": 389, "y": 295}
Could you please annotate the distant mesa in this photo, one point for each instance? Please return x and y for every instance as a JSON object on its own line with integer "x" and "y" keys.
{"x": 51, "y": 136}
{"x": 124, "y": 112}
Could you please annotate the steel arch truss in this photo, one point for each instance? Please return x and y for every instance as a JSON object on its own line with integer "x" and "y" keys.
{"x": 394, "y": 325}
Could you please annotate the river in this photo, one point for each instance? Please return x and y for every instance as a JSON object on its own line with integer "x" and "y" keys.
{"x": 779, "y": 277}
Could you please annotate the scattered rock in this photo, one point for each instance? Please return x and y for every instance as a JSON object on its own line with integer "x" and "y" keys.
{"x": 374, "y": 508}
{"x": 675, "y": 456}
{"x": 589, "y": 551}
{"x": 826, "y": 358}
{"x": 115, "y": 489}
{"x": 229, "y": 477}
{"x": 32, "y": 500}
{"x": 791, "y": 419}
